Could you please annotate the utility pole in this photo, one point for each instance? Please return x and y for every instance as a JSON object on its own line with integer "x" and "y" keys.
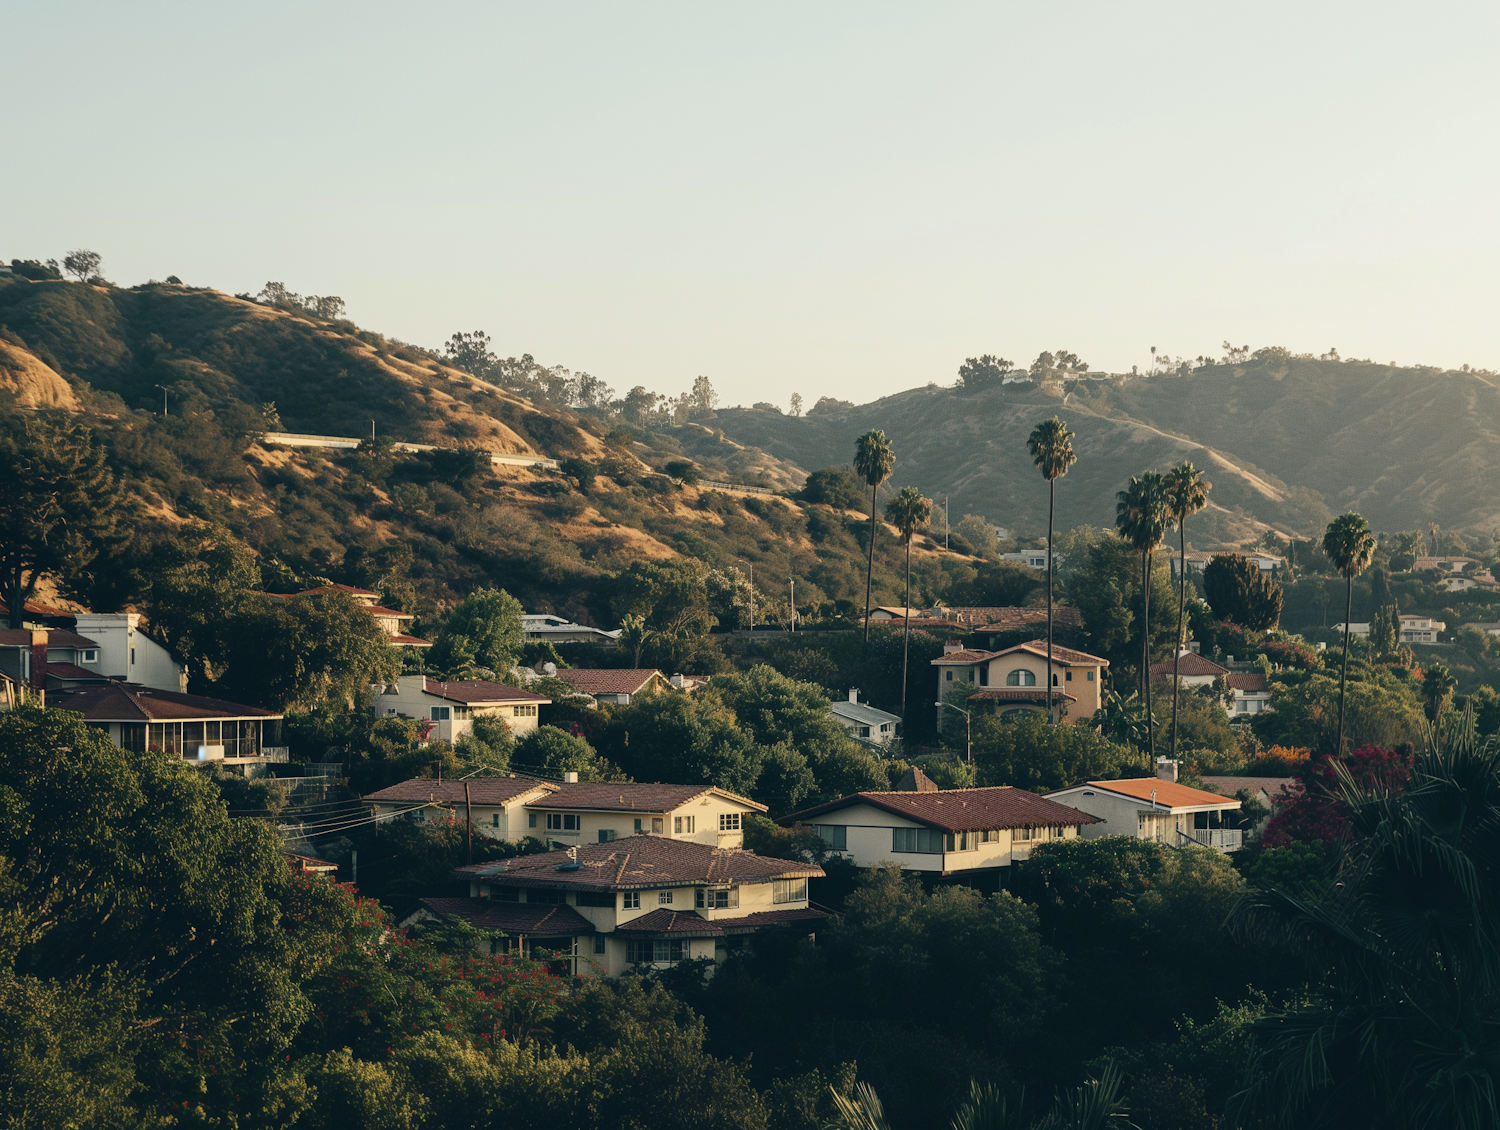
{"x": 372, "y": 429}
{"x": 793, "y": 582}
{"x": 163, "y": 400}
{"x": 468, "y": 823}
{"x": 355, "y": 854}
{"x": 947, "y": 523}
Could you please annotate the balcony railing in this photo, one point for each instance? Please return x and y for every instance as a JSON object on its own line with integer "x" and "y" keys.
{"x": 1225, "y": 839}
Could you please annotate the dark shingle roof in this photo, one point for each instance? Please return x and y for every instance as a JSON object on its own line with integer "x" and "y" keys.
{"x": 686, "y": 924}
{"x": 608, "y": 680}
{"x": 512, "y": 917}
{"x": 130, "y": 702}
{"x": 479, "y": 690}
{"x": 638, "y": 862}
{"x": 961, "y": 810}
{"x": 482, "y": 790}
{"x": 630, "y": 797}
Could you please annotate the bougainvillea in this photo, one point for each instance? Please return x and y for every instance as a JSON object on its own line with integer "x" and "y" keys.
{"x": 1318, "y": 815}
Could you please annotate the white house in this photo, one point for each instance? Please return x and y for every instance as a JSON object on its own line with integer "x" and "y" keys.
{"x": 1197, "y": 562}
{"x": 555, "y": 629}
{"x": 1420, "y": 629}
{"x": 127, "y": 653}
{"x": 1032, "y": 558}
{"x": 1249, "y": 693}
{"x": 1359, "y": 629}
{"x": 604, "y": 909}
{"x": 972, "y": 832}
{"x": 451, "y": 707}
{"x": 865, "y": 723}
{"x": 1150, "y": 808}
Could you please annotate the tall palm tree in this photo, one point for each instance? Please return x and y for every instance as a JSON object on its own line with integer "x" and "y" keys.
{"x": 1051, "y": 447}
{"x": 908, "y": 511}
{"x": 1348, "y": 544}
{"x": 1187, "y": 493}
{"x": 873, "y": 460}
{"x": 1141, "y": 516}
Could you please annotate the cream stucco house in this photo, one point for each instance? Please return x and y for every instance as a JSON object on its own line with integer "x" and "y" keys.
{"x": 451, "y": 707}
{"x": 1016, "y": 678}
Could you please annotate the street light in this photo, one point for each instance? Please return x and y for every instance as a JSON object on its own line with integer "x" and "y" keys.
{"x": 163, "y": 400}
{"x": 968, "y": 728}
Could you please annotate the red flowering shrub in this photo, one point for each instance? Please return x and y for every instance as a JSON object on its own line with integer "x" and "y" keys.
{"x": 1291, "y": 655}
{"x": 1317, "y": 815}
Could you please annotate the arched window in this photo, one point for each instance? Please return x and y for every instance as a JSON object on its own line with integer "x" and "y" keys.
{"x": 1020, "y": 678}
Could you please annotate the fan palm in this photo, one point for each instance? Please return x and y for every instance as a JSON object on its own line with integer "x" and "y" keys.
{"x": 908, "y": 511}
{"x": 1348, "y": 544}
{"x": 873, "y": 460}
{"x": 1051, "y": 448}
{"x": 1187, "y": 493}
{"x": 1141, "y": 517}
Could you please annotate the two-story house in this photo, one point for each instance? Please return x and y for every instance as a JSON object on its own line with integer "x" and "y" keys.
{"x": 127, "y": 653}
{"x": 602, "y": 909}
{"x": 1151, "y": 808}
{"x": 972, "y": 833}
{"x": 452, "y": 706}
{"x": 496, "y": 806}
{"x": 1016, "y": 678}
{"x": 1245, "y": 692}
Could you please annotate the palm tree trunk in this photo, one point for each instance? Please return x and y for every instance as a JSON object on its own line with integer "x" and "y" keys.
{"x": 1344, "y": 667}
{"x": 870, "y": 563}
{"x": 1051, "y": 505}
{"x": 1146, "y": 650}
{"x": 1181, "y": 604}
{"x": 906, "y": 629}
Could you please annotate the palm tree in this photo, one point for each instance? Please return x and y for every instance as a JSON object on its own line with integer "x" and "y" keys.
{"x": 1051, "y": 447}
{"x": 907, "y": 511}
{"x": 1348, "y": 544}
{"x": 1437, "y": 685}
{"x": 1141, "y": 516}
{"x": 873, "y": 459}
{"x": 1187, "y": 493}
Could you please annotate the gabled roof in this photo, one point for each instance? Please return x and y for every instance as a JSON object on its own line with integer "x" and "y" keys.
{"x": 637, "y": 863}
{"x": 1246, "y": 681}
{"x": 960, "y": 810}
{"x": 609, "y": 680}
{"x": 1064, "y": 655}
{"x": 1191, "y": 665}
{"x": 1169, "y": 794}
{"x": 478, "y": 690}
{"x": 482, "y": 790}
{"x": 916, "y": 781}
{"x": 131, "y": 702}
{"x": 56, "y": 637}
{"x": 1273, "y": 787}
{"x": 862, "y": 713}
{"x": 968, "y": 655}
{"x": 686, "y": 924}
{"x": 595, "y": 796}
{"x": 73, "y": 671}
{"x": 512, "y": 917}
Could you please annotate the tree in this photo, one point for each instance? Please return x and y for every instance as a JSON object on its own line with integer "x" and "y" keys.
{"x": 674, "y": 737}
{"x": 1238, "y": 590}
{"x": 1437, "y": 689}
{"x": 796, "y": 404}
{"x": 1385, "y": 630}
{"x": 83, "y": 265}
{"x": 672, "y": 600}
{"x": 471, "y": 353}
{"x": 1025, "y": 751}
{"x": 873, "y": 460}
{"x": 833, "y": 486}
{"x": 1051, "y": 448}
{"x": 908, "y": 512}
{"x": 552, "y": 752}
{"x": 983, "y": 372}
{"x": 1349, "y": 545}
{"x": 1381, "y": 710}
{"x": 702, "y": 400}
{"x": 1141, "y": 516}
{"x": 633, "y": 636}
{"x": 482, "y": 635}
{"x": 1187, "y": 493}
{"x": 57, "y": 506}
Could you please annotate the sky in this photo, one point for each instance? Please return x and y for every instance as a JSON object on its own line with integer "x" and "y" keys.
{"x": 833, "y": 199}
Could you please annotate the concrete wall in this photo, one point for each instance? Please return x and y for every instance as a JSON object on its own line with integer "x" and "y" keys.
{"x": 125, "y": 652}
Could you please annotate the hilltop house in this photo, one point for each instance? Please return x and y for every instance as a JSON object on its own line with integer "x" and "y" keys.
{"x": 390, "y": 621}
{"x": 1247, "y": 692}
{"x": 865, "y": 723}
{"x": 451, "y": 707}
{"x": 570, "y": 813}
{"x": 554, "y": 629}
{"x": 972, "y": 833}
{"x": 1016, "y": 678}
{"x": 604, "y": 909}
{"x": 197, "y": 729}
{"x": 1197, "y": 562}
{"x": 1415, "y": 628}
{"x": 1032, "y": 558}
{"x": 616, "y": 685}
{"x": 1150, "y": 808}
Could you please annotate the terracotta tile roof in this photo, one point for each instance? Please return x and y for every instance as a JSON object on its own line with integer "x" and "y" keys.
{"x": 968, "y": 655}
{"x": 482, "y": 790}
{"x": 410, "y": 641}
{"x": 1246, "y": 681}
{"x": 1191, "y": 665}
{"x": 687, "y": 924}
{"x": 1064, "y": 655}
{"x": 130, "y": 702}
{"x": 960, "y": 810}
{"x": 1020, "y": 694}
{"x": 512, "y": 917}
{"x": 389, "y": 613}
{"x": 631, "y": 797}
{"x": 608, "y": 680}
{"x": 1011, "y": 619}
{"x": 1274, "y": 787}
{"x": 1168, "y": 793}
{"x": 639, "y": 862}
{"x": 321, "y": 589}
{"x": 478, "y": 690}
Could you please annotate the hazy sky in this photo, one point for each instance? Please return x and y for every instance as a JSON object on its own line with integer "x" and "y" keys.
{"x": 832, "y": 199}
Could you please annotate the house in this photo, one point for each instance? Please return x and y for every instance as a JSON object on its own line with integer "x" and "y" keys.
{"x": 1489, "y": 629}
{"x": 617, "y": 685}
{"x": 1197, "y": 562}
{"x": 603, "y": 909}
{"x": 1443, "y": 564}
{"x": 1483, "y": 579}
{"x": 391, "y": 622}
{"x": 570, "y": 813}
{"x": 555, "y": 629}
{"x": 1249, "y": 693}
{"x": 451, "y": 707}
{"x": 1193, "y": 670}
{"x": 1151, "y": 808}
{"x": 884, "y": 614}
{"x": 200, "y": 730}
{"x": 1359, "y": 629}
{"x": 127, "y": 653}
{"x": 1420, "y": 629}
{"x": 865, "y": 723}
{"x": 1016, "y": 678}
{"x": 1032, "y": 558}
{"x": 972, "y": 833}
{"x": 1272, "y": 793}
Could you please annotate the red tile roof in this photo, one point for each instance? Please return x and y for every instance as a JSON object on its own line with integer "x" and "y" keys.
{"x": 488, "y": 791}
{"x": 1063, "y": 655}
{"x": 1168, "y": 793}
{"x": 687, "y": 924}
{"x": 512, "y": 917}
{"x": 1191, "y": 664}
{"x": 608, "y": 680}
{"x": 968, "y": 655}
{"x": 388, "y": 613}
{"x": 1020, "y": 694}
{"x": 130, "y": 702}
{"x": 631, "y": 797}
{"x": 350, "y": 589}
{"x": 410, "y": 641}
{"x": 478, "y": 690}
{"x": 639, "y": 862}
{"x": 961, "y": 810}
{"x": 1246, "y": 681}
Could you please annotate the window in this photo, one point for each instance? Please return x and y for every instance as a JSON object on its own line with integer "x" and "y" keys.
{"x": 1023, "y": 833}
{"x": 948, "y": 675}
{"x": 835, "y": 836}
{"x": 660, "y": 951}
{"x": 91, "y": 656}
{"x": 637, "y": 823}
{"x": 716, "y": 900}
{"x": 595, "y": 898}
{"x": 508, "y": 894}
{"x": 1091, "y": 677}
{"x": 682, "y": 825}
{"x": 132, "y": 656}
{"x": 523, "y": 711}
{"x": 563, "y": 822}
{"x": 442, "y": 713}
{"x": 631, "y": 900}
{"x": 1021, "y": 678}
{"x": 1068, "y": 676}
{"x": 494, "y": 820}
{"x": 658, "y": 825}
{"x": 989, "y": 836}
{"x": 531, "y": 820}
{"x": 598, "y": 943}
{"x": 864, "y": 731}
{"x": 788, "y": 890}
{"x": 925, "y": 841}
{"x": 547, "y": 898}
{"x": 664, "y": 898}
{"x": 729, "y": 821}
{"x": 960, "y": 841}
{"x": 606, "y": 835}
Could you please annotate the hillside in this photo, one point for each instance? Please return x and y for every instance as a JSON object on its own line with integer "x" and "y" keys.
{"x": 1285, "y": 440}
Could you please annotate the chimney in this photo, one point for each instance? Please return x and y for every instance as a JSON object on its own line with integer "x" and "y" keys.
{"x": 571, "y": 776}
{"x": 38, "y": 659}
{"x": 950, "y": 646}
{"x": 1166, "y": 768}
{"x": 854, "y": 694}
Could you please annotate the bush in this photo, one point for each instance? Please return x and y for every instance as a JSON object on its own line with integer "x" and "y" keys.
{"x": 1024, "y": 751}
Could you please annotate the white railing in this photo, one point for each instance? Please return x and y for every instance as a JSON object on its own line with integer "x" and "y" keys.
{"x": 1225, "y": 839}
{"x": 348, "y": 443}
